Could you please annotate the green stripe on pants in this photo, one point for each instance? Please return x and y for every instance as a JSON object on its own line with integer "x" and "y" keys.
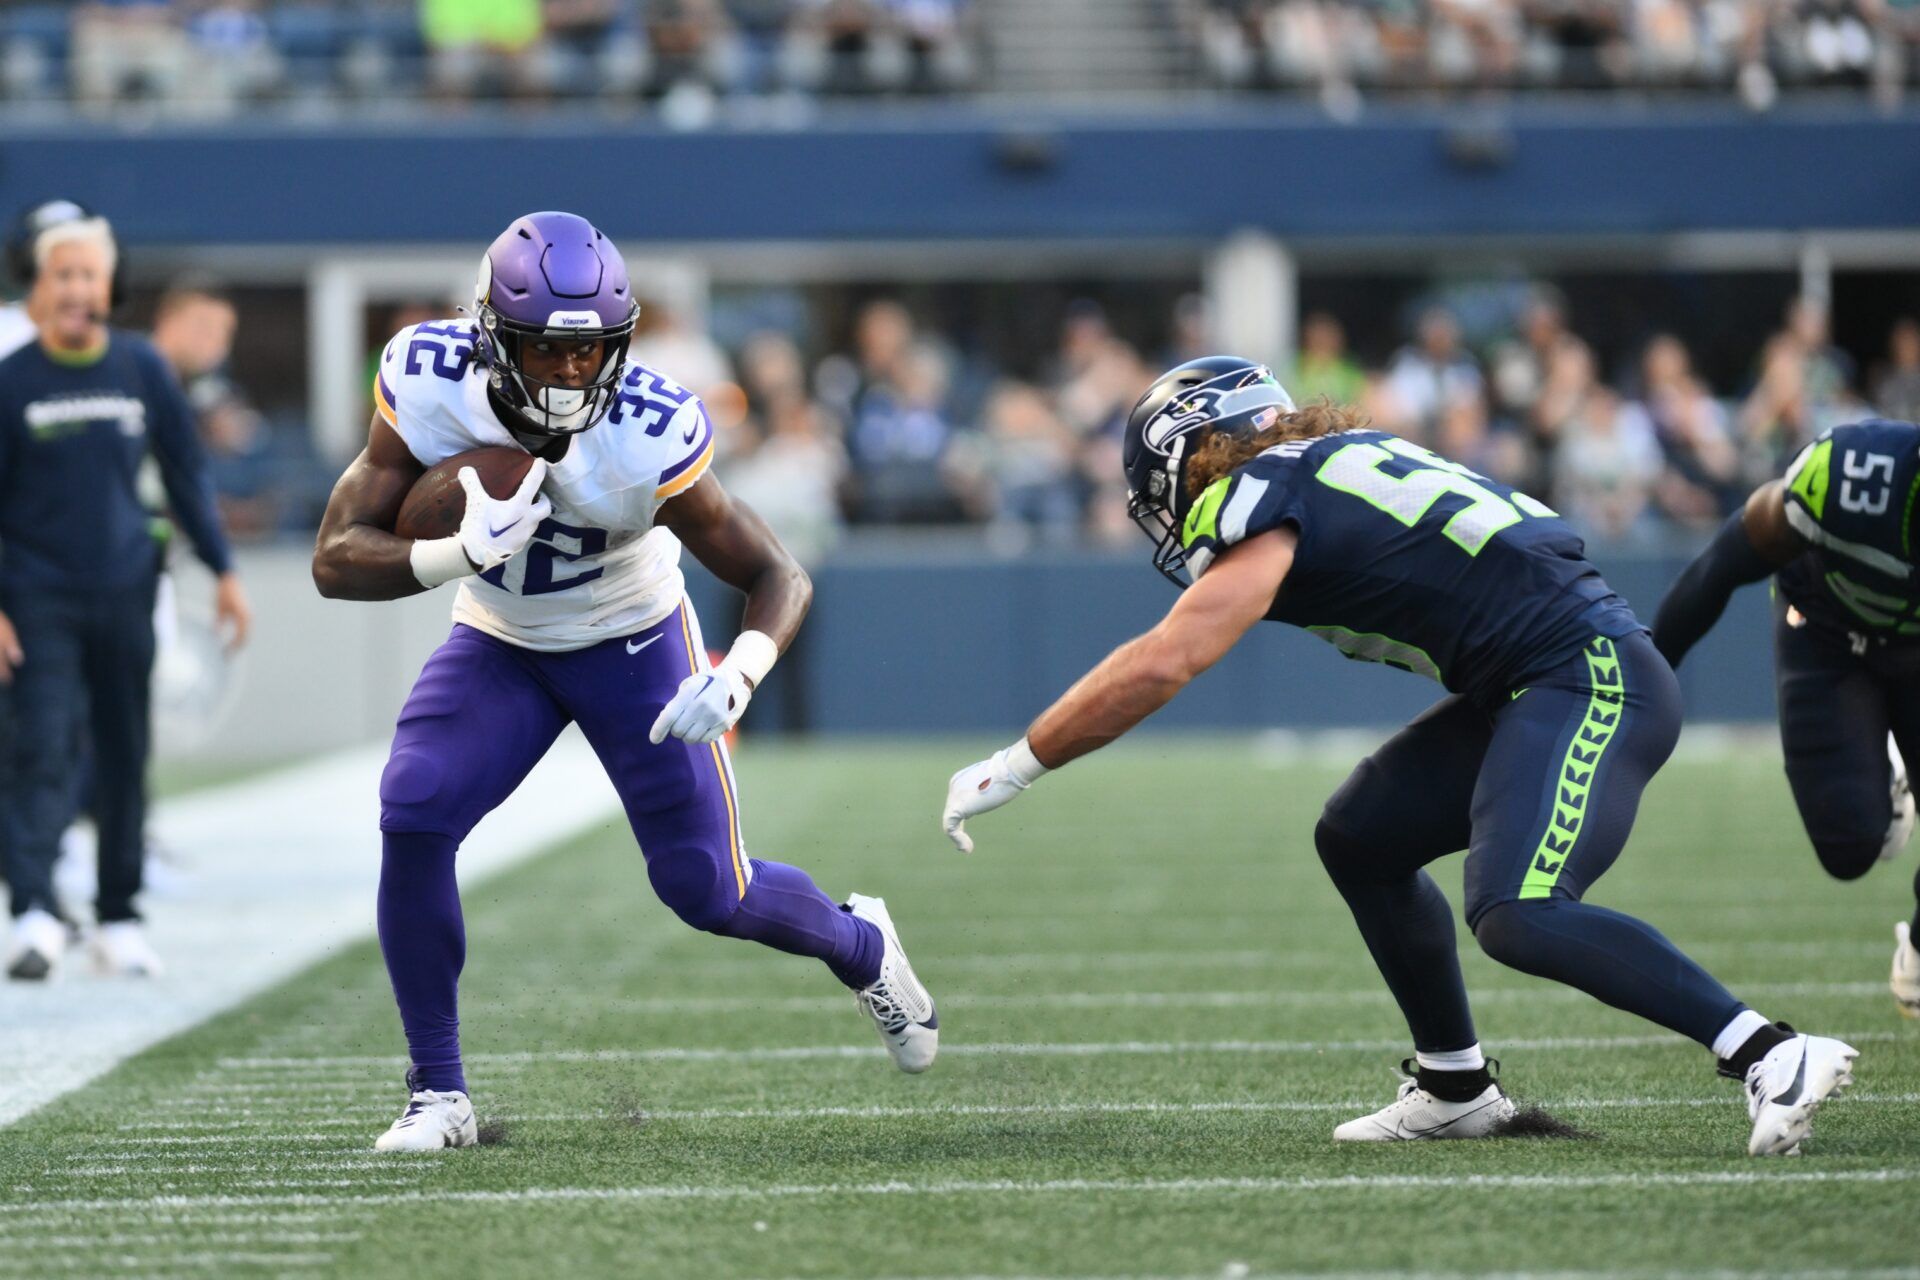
{"x": 1575, "y": 785}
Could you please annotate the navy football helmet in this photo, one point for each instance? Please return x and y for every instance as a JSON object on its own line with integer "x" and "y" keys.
{"x": 1184, "y": 406}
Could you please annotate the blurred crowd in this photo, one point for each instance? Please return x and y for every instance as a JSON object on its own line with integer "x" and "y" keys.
{"x": 1343, "y": 47}
{"x": 899, "y": 429}
{"x": 220, "y": 55}
{"x": 904, "y": 423}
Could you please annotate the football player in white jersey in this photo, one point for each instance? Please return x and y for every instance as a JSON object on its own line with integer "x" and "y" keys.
{"x": 571, "y": 609}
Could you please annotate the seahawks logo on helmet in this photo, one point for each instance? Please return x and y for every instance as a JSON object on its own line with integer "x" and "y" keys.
{"x": 1261, "y": 401}
{"x": 1184, "y": 406}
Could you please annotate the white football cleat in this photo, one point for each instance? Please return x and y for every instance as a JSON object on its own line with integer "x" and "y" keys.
{"x": 899, "y": 1005}
{"x": 1905, "y": 980}
{"x": 432, "y": 1122}
{"x": 36, "y": 946}
{"x": 1787, "y": 1086}
{"x": 121, "y": 950}
{"x": 1417, "y": 1114}
{"x": 1901, "y": 792}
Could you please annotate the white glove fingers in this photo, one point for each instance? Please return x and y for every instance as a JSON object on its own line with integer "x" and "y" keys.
{"x": 470, "y": 482}
{"x": 536, "y": 476}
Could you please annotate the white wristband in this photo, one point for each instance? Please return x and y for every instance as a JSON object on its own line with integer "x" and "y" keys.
{"x": 753, "y": 655}
{"x": 438, "y": 560}
{"x": 1023, "y": 764}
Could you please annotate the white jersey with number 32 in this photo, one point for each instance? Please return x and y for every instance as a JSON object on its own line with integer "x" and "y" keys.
{"x": 596, "y": 567}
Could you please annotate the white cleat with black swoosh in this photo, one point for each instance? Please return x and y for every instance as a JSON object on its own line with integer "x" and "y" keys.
{"x": 1787, "y": 1086}
{"x": 1900, "y": 792}
{"x": 432, "y": 1122}
{"x": 897, "y": 1003}
{"x": 1417, "y": 1115}
{"x": 1904, "y": 978}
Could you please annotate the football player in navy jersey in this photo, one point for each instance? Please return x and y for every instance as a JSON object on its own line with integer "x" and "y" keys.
{"x": 1559, "y": 711}
{"x": 1837, "y": 536}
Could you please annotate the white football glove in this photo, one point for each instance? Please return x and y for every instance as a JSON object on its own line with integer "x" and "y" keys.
{"x": 493, "y": 530}
{"x": 983, "y": 787}
{"x": 709, "y": 703}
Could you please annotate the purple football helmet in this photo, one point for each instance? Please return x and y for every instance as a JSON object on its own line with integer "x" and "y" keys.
{"x": 552, "y": 277}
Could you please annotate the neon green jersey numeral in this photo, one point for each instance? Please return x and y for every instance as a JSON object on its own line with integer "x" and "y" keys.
{"x": 1355, "y": 469}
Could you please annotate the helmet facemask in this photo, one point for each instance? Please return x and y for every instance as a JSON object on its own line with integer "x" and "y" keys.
{"x": 1157, "y": 513}
{"x": 550, "y": 408}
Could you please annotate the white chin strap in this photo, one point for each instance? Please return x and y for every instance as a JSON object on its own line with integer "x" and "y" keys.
{"x": 566, "y": 407}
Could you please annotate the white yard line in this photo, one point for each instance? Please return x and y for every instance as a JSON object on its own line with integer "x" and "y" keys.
{"x": 1212, "y": 999}
{"x": 1043, "y": 1049}
{"x": 283, "y": 872}
{"x": 249, "y": 1135}
{"x": 1369, "y": 1183}
{"x": 1238, "y": 1271}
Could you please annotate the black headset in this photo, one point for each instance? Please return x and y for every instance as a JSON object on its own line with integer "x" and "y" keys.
{"x": 37, "y": 219}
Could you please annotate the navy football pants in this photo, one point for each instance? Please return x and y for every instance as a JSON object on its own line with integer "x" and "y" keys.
{"x": 1836, "y": 708}
{"x": 87, "y": 656}
{"x": 1541, "y": 791}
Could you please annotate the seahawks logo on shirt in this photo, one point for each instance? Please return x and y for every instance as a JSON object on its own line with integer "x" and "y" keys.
{"x": 65, "y": 415}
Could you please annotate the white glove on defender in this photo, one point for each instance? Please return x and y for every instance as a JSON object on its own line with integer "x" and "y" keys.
{"x": 983, "y": 787}
{"x": 492, "y": 530}
{"x": 709, "y": 703}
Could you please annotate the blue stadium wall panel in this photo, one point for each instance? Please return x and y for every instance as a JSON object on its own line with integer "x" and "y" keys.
{"x": 957, "y": 645}
{"x": 920, "y": 173}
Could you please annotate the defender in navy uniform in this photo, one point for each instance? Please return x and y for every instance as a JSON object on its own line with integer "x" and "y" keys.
{"x": 1559, "y": 712}
{"x": 1836, "y": 535}
{"x": 80, "y": 410}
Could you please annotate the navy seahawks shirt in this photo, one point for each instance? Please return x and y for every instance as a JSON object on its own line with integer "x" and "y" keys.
{"x": 1851, "y": 495}
{"x": 1408, "y": 559}
{"x": 72, "y": 440}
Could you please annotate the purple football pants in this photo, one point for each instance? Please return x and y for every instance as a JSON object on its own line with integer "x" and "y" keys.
{"x": 479, "y": 718}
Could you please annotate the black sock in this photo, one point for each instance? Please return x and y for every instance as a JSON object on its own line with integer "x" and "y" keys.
{"x": 1753, "y": 1048}
{"x": 1454, "y": 1086}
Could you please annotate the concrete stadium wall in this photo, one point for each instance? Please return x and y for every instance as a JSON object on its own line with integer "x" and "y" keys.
{"x": 927, "y": 643}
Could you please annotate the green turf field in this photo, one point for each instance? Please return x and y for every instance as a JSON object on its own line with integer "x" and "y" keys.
{"x": 1154, "y": 1009}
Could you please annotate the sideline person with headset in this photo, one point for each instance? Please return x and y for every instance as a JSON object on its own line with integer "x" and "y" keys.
{"x": 80, "y": 410}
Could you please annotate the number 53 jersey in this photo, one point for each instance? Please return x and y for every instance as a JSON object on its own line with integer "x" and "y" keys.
{"x": 596, "y": 567}
{"x": 1851, "y": 494}
{"x": 1409, "y": 559}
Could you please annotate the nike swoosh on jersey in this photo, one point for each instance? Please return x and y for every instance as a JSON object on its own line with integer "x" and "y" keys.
{"x": 635, "y": 648}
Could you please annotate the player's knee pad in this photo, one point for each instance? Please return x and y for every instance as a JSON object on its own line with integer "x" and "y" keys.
{"x": 415, "y": 795}
{"x": 1509, "y": 931}
{"x": 1847, "y": 826}
{"x": 696, "y": 886}
{"x": 1349, "y": 859}
{"x": 1339, "y": 852}
{"x": 1848, "y": 858}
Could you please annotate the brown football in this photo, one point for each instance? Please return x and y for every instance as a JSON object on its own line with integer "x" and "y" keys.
{"x": 436, "y": 502}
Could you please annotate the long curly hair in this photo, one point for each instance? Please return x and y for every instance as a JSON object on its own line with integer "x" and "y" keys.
{"x": 1224, "y": 451}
